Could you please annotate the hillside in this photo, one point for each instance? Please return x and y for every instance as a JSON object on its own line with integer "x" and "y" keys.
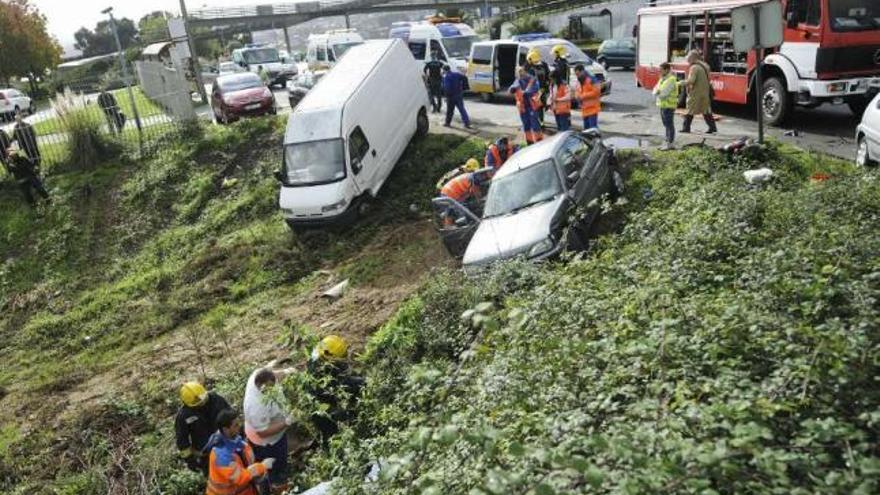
{"x": 141, "y": 275}
{"x": 717, "y": 338}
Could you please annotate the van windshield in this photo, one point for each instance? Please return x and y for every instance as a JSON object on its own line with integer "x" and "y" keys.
{"x": 459, "y": 46}
{"x": 261, "y": 56}
{"x": 340, "y": 48}
{"x": 314, "y": 162}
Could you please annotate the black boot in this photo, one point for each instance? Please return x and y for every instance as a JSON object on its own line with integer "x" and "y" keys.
{"x": 710, "y": 121}
{"x": 686, "y": 125}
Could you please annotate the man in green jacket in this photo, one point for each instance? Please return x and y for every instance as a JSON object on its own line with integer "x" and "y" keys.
{"x": 666, "y": 92}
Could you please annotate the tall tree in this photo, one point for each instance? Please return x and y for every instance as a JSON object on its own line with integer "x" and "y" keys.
{"x": 101, "y": 41}
{"x": 153, "y": 27}
{"x": 26, "y": 49}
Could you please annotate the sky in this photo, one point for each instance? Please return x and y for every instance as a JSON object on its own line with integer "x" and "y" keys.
{"x": 67, "y": 16}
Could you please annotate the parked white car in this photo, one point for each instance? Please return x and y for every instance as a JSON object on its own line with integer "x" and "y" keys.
{"x": 868, "y": 134}
{"x": 13, "y": 100}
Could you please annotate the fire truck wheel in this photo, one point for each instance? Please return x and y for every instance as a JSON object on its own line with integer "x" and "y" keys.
{"x": 775, "y": 101}
{"x": 858, "y": 104}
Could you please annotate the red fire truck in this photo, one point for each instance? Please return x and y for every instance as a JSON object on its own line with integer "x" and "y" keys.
{"x": 830, "y": 53}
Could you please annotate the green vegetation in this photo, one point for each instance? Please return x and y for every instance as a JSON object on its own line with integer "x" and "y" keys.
{"x": 142, "y": 274}
{"x": 724, "y": 341}
{"x": 719, "y": 338}
{"x": 146, "y": 108}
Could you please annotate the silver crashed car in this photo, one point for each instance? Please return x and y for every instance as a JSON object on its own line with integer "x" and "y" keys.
{"x": 543, "y": 200}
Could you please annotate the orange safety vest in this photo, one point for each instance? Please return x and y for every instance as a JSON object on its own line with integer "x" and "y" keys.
{"x": 562, "y": 106}
{"x": 231, "y": 473}
{"x": 496, "y": 155}
{"x": 589, "y": 95}
{"x": 520, "y": 99}
{"x": 459, "y": 188}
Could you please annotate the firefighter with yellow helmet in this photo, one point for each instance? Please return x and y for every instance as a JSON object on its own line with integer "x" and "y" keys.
{"x": 560, "y": 64}
{"x": 335, "y": 385}
{"x": 540, "y": 71}
{"x": 472, "y": 165}
{"x": 195, "y": 422}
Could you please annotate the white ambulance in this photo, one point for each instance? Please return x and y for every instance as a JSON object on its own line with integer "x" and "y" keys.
{"x": 450, "y": 40}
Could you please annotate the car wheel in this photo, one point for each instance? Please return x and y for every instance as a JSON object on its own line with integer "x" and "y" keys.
{"x": 858, "y": 104}
{"x": 422, "y": 124}
{"x": 577, "y": 239}
{"x": 15, "y": 112}
{"x": 863, "y": 159}
{"x": 776, "y": 103}
{"x": 32, "y": 109}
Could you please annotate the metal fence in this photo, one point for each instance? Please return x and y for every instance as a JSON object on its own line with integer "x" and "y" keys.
{"x": 157, "y": 102}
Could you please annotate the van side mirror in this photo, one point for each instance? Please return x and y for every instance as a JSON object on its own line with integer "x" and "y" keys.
{"x": 278, "y": 176}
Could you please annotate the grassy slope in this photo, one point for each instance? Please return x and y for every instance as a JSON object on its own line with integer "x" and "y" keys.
{"x": 107, "y": 293}
{"x": 725, "y": 341}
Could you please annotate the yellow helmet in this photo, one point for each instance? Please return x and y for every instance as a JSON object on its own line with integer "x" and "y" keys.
{"x": 332, "y": 347}
{"x": 559, "y": 50}
{"x": 193, "y": 394}
{"x": 534, "y": 56}
{"x": 472, "y": 165}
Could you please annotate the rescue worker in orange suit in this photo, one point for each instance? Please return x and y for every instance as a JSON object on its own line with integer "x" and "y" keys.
{"x": 498, "y": 153}
{"x": 589, "y": 93}
{"x": 539, "y": 69}
{"x": 472, "y": 165}
{"x": 232, "y": 469}
{"x": 526, "y": 91}
{"x": 560, "y": 102}
{"x": 467, "y": 189}
{"x": 195, "y": 422}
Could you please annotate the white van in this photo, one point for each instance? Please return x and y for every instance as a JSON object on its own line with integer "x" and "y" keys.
{"x": 349, "y": 131}
{"x": 252, "y": 57}
{"x": 450, "y": 40}
{"x": 324, "y": 50}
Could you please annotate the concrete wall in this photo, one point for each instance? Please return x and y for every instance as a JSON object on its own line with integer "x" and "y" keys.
{"x": 167, "y": 87}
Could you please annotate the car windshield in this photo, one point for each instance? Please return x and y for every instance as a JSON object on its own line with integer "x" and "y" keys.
{"x": 854, "y": 15}
{"x": 521, "y": 189}
{"x": 314, "y": 162}
{"x": 459, "y": 46}
{"x": 339, "y": 49}
{"x": 261, "y": 56}
{"x": 239, "y": 82}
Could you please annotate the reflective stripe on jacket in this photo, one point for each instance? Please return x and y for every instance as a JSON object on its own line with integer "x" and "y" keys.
{"x": 667, "y": 92}
{"x": 493, "y": 156}
{"x": 460, "y": 188}
{"x": 562, "y": 100}
{"x": 231, "y": 467}
{"x": 589, "y": 95}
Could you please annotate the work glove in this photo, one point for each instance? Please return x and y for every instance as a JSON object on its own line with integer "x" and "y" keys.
{"x": 269, "y": 462}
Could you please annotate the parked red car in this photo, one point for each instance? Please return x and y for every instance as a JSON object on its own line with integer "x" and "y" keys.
{"x": 240, "y": 95}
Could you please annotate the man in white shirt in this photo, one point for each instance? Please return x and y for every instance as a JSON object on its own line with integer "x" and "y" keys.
{"x": 266, "y": 422}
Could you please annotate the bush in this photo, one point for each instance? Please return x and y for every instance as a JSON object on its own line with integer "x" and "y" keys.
{"x": 86, "y": 144}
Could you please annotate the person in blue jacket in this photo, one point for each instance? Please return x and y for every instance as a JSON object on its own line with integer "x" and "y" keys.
{"x": 453, "y": 85}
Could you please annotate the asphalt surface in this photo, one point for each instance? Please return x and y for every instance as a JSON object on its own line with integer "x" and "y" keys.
{"x": 629, "y": 112}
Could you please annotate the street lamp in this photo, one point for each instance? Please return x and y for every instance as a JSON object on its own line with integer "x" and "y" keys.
{"x": 137, "y": 118}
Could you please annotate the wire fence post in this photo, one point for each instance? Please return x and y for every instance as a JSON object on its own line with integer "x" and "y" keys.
{"x": 127, "y": 77}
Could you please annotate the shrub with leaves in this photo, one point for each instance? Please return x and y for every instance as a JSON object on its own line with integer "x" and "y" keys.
{"x": 86, "y": 145}
{"x": 725, "y": 342}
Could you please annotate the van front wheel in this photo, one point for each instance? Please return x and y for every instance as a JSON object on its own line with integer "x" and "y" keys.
{"x": 422, "y": 123}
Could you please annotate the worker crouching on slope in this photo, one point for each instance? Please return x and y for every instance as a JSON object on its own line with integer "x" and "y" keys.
{"x": 589, "y": 93}
{"x": 336, "y": 386}
{"x": 498, "y": 153}
{"x": 195, "y": 422}
{"x": 26, "y": 174}
{"x": 526, "y": 91}
{"x": 233, "y": 470}
{"x": 472, "y": 165}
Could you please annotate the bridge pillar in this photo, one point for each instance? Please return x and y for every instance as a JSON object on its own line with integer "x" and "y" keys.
{"x": 287, "y": 41}
{"x": 347, "y": 22}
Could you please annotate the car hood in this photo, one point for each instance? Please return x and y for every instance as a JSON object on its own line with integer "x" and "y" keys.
{"x": 511, "y": 235}
{"x": 248, "y": 95}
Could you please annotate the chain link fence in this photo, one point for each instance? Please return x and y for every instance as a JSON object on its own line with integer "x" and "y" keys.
{"x": 158, "y": 100}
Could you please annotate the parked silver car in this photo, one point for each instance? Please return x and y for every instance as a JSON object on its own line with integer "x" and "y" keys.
{"x": 542, "y": 201}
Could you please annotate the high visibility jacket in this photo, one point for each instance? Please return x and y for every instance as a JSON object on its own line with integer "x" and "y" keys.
{"x": 231, "y": 467}
{"x": 589, "y": 95}
{"x": 460, "y": 188}
{"x": 667, "y": 92}
{"x": 562, "y": 100}
{"x": 528, "y": 98}
{"x": 494, "y": 156}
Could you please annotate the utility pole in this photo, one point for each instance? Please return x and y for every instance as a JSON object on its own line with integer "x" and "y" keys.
{"x": 194, "y": 59}
{"x": 134, "y": 108}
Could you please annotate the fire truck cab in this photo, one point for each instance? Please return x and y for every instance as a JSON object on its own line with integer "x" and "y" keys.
{"x": 830, "y": 53}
